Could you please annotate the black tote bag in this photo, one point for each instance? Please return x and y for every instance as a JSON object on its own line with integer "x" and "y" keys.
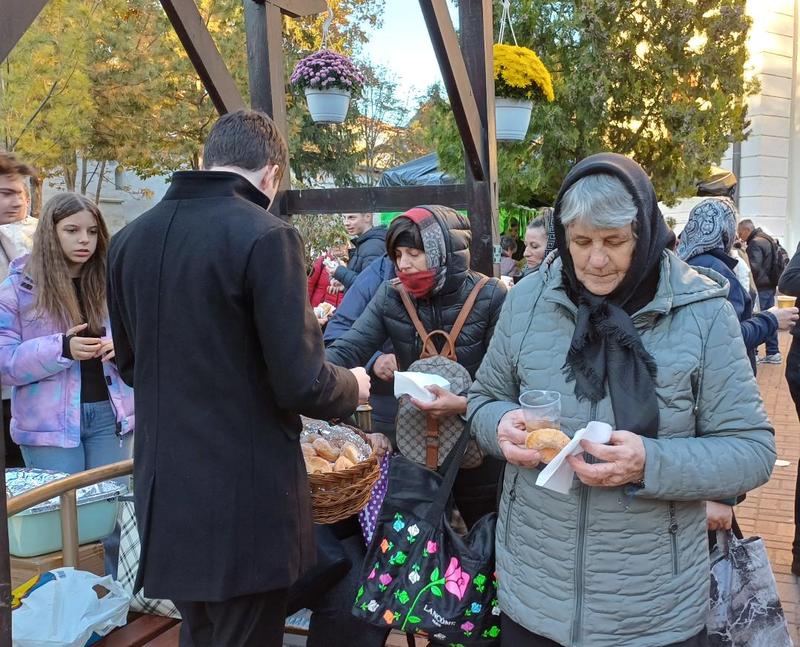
{"x": 419, "y": 575}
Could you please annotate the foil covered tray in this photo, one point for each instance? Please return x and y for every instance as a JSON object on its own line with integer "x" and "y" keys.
{"x": 336, "y": 435}
{"x": 22, "y": 479}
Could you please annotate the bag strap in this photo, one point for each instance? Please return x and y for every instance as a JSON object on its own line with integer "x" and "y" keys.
{"x": 467, "y": 308}
{"x": 431, "y": 442}
{"x": 449, "y": 471}
{"x": 449, "y": 348}
{"x": 412, "y": 311}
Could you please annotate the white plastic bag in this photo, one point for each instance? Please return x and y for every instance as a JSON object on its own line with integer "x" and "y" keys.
{"x": 67, "y": 610}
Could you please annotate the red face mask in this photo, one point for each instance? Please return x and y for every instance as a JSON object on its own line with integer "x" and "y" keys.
{"x": 418, "y": 284}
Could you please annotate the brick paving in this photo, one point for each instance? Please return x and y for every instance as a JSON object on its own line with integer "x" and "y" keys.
{"x": 769, "y": 510}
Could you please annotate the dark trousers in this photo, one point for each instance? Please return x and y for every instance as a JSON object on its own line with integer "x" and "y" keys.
{"x": 475, "y": 490}
{"x": 766, "y": 299}
{"x": 793, "y": 380}
{"x": 514, "y": 635}
{"x": 332, "y": 624}
{"x": 247, "y": 621}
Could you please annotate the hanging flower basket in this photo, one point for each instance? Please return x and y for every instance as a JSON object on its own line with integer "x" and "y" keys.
{"x": 520, "y": 78}
{"x": 328, "y": 80}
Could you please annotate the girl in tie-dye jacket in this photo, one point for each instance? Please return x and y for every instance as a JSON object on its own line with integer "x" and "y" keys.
{"x": 70, "y": 410}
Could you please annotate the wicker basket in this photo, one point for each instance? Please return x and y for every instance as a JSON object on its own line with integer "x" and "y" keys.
{"x": 338, "y": 495}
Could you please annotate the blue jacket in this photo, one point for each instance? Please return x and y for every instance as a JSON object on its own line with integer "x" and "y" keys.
{"x": 356, "y": 298}
{"x": 755, "y": 328}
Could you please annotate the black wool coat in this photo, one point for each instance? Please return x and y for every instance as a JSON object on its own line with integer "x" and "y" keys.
{"x": 387, "y": 319}
{"x": 212, "y": 328}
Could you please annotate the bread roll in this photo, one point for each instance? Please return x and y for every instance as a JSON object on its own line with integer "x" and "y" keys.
{"x": 309, "y": 438}
{"x": 342, "y": 463}
{"x": 350, "y": 452}
{"x": 308, "y": 450}
{"x": 326, "y": 450}
{"x": 317, "y": 465}
{"x": 548, "y": 442}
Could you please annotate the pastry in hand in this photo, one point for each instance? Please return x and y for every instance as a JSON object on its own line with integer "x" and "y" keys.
{"x": 548, "y": 442}
{"x": 350, "y": 452}
{"x": 342, "y": 463}
{"x": 317, "y": 465}
{"x": 326, "y": 450}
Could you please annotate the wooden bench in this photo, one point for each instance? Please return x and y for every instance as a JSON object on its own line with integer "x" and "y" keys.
{"x": 141, "y": 629}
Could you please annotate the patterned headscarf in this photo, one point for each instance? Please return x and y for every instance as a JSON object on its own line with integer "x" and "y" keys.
{"x": 433, "y": 243}
{"x": 711, "y": 225}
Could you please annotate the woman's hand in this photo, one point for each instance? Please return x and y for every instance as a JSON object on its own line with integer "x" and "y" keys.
{"x": 106, "y": 352}
{"x": 385, "y": 367}
{"x": 719, "y": 516}
{"x": 82, "y": 348}
{"x": 511, "y": 436}
{"x": 445, "y": 404}
{"x": 380, "y": 444}
{"x": 624, "y": 460}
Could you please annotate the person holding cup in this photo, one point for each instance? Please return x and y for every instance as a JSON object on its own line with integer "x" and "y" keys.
{"x": 706, "y": 241}
{"x": 629, "y": 335}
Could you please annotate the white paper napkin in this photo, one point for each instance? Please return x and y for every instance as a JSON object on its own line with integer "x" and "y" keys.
{"x": 413, "y": 384}
{"x": 557, "y": 475}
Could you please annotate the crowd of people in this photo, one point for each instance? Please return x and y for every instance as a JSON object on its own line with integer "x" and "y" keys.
{"x": 200, "y": 312}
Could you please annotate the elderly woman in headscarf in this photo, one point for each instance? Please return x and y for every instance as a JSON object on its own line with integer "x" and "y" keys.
{"x": 706, "y": 241}
{"x": 630, "y": 335}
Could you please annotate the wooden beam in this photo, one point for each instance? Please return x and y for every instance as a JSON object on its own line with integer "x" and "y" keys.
{"x": 17, "y": 17}
{"x": 456, "y": 80}
{"x": 395, "y": 198}
{"x": 298, "y": 8}
{"x": 204, "y": 55}
{"x": 475, "y": 21}
{"x": 265, "y": 61}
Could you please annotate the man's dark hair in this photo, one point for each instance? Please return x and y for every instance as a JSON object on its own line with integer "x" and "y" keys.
{"x": 508, "y": 244}
{"x": 403, "y": 232}
{"x": 11, "y": 165}
{"x": 248, "y": 139}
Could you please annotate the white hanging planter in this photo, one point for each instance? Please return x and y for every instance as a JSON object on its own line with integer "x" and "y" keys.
{"x": 512, "y": 117}
{"x": 328, "y": 106}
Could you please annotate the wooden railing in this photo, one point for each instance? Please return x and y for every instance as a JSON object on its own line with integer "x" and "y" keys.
{"x": 65, "y": 489}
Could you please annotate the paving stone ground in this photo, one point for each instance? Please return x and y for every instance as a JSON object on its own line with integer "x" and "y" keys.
{"x": 769, "y": 510}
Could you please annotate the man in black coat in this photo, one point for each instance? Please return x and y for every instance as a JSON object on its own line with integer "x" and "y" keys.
{"x": 367, "y": 244}
{"x": 761, "y": 254}
{"x": 212, "y": 328}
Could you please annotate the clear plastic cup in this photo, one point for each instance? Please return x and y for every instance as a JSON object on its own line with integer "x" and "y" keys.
{"x": 542, "y": 410}
{"x": 785, "y": 302}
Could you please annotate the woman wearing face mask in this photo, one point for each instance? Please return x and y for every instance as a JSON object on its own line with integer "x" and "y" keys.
{"x": 430, "y": 249}
{"x": 70, "y": 409}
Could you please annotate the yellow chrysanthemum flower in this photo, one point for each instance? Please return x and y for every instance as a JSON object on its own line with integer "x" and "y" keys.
{"x": 520, "y": 74}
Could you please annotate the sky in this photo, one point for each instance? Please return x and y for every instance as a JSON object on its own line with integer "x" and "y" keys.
{"x": 403, "y": 46}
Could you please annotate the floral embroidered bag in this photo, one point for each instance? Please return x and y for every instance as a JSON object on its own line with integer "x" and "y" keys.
{"x": 419, "y": 575}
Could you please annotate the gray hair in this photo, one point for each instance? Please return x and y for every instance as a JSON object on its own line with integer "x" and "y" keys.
{"x": 600, "y": 201}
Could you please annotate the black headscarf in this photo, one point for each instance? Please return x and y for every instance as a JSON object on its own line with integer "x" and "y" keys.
{"x": 606, "y": 348}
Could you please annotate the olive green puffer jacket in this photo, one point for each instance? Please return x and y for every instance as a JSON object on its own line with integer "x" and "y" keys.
{"x": 595, "y": 568}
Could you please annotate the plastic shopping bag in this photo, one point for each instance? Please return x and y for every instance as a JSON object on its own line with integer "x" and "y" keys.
{"x": 745, "y": 610}
{"x": 62, "y": 608}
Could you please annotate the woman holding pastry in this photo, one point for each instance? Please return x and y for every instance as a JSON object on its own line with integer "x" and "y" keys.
{"x": 626, "y": 334}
